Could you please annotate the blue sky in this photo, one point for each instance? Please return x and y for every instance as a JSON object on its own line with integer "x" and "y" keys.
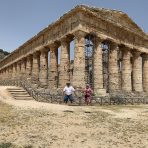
{"x": 22, "y": 19}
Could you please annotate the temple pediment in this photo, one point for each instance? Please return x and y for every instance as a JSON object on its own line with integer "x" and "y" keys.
{"x": 114, "y": 16}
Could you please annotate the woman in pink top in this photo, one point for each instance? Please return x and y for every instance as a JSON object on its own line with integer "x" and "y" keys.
{"x": 88, "y": 93}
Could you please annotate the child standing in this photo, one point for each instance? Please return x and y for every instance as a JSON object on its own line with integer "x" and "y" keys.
{"x": 88, "y": 94}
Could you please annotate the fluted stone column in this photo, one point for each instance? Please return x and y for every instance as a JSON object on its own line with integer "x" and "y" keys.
{"x": 35, "y": 66}
{"x": 126, "y": 70}
{"x": 43, "y": 66}
{"x": 13, "y": 72}
{"x": 6, "y": 72}
{"x": 29, "y": 66}
{"x": 145, "y": 72}
{"x": 98, "y": 68}
{"x": 23, "y": 67}
{"x": 137, "y": 72}
{"x": 64, "y": 75}
{"x": 79, "y": 60}
{"x": 1, "y": 75}
{"x": 113, "y": 68}
{"x": 18, "y": 67}
{"x": 10, "y": 72}
{"x": 53, "y": 67}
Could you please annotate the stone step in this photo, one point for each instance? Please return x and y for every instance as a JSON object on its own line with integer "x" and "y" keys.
{"x": 16, "y": 95}
{"x": 23, "y": 98}
{"x": 16, "y": 89}
{"x": 19, "y": 93}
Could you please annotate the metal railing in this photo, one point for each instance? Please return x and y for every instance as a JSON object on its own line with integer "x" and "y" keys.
{"x": 56, "y": 96}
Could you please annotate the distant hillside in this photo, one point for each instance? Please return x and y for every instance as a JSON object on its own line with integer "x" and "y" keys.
{"x": 3, "y": 54}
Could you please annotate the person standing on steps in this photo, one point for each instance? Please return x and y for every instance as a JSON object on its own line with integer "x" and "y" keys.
{"x": 67, "y": 92}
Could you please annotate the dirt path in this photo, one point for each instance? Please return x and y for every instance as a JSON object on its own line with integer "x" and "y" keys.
{"x": 6, "y": 97}
{"x": 31, "y": 124}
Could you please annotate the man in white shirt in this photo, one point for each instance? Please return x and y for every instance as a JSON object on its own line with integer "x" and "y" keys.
{"x": 68, "y": 91}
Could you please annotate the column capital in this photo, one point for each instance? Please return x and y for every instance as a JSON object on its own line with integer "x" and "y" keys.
{"x": 29, "y": 56}
{"x": 36, "y": 54}
{"x": 65, "y": 40}
{"x": 53, "y": 46}
{"x": 44, "y": 49}
{"x": 124, "y": 48}
{"x": 23, "y": 59}
{"x": 113, "y": 45}
{"x": 145, "y": 56}
{"x": 19, "y": 62}
{"x": 136, "y": 53}
{"x": 97, "y": 40}
{"x": 80, "y": 34}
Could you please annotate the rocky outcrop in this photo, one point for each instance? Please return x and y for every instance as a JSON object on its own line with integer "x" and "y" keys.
{"x": 3, "y": 54}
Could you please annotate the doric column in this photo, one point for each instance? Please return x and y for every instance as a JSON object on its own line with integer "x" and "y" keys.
{"x": 98, "y": 68}
{"x": 18, "y": 68}
{"x": 23, "y": 67}
{"x": 35, "y": 66}
{"x": 145, "y": 72}
{"x": 137, "y": 72}
{"x": 113, "y": 68}
{"x": 53, "y": 67}
{"x": 126, "y": 70}
{"x": 10, "y": 72}
{"x": 6, "y": 73}
{"x": 64, "y": 75}
{"x": 1, "y": 75}
{"x": 43, "y": 66}
{"x": 13, "y": 72}
{"x": 29, "y": 66}
{"x": 79, "y": 60}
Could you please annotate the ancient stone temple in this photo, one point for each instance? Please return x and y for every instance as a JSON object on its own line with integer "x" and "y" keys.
{"x": 110, "y": 53}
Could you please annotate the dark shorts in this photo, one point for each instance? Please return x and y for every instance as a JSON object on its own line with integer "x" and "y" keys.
{"x": 68, "y": 97}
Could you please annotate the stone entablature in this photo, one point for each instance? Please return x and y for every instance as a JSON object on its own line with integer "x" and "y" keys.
{"x": 31, "y": 59}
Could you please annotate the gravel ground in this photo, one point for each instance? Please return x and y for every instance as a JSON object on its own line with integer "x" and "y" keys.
{"x": 30, "y": 124}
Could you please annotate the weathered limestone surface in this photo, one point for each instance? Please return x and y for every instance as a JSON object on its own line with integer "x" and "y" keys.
{"x": 43, "y": 67}
{"x": 79, "y": 60}
{"x": 29, "y": 66}
{"x": 13, "y": 71}
{"x": 18, "y": 70}
{"x": 23, "y": 67}
{"x": 113, "y": 68}
{"x": 145, "y": 72}
{"x": 98, "y": 68}
{"x": 137, "y": 72}
{"x": 10, "y": 72}
{"x": 53, "y": 67}
{"x": 64, "y": 75}
{"x": 35, "y": 67}
{"x": 126, "y": 70}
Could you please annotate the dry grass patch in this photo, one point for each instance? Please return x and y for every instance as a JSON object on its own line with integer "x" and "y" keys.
{"x": 89, "y": 127}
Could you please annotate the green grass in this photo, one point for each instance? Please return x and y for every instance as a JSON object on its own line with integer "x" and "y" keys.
{"x": 5, "y": 145}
